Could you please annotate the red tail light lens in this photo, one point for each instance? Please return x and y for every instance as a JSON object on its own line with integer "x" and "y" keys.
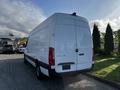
{"x": 92, "y": 56}
{"x": 51, "y": 56}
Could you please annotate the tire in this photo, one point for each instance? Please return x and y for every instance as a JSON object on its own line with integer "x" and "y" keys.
{"x": 39, "y": 74}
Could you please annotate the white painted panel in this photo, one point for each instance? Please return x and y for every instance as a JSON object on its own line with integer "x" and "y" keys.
{"x": 84, "y": 45}
{"x": 65, "y": 45}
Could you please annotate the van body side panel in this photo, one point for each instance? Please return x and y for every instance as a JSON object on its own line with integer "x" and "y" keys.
{"x": 38, "y": 45}
{"x": 39, "y": 42}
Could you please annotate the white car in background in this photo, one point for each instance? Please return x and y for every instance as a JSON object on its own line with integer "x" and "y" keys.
{"x": 21, "y": 49}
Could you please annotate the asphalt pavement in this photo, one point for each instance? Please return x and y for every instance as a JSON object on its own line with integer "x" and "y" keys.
{"x": 15, "y": 75}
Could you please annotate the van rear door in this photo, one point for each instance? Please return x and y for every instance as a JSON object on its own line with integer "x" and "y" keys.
{"x": 84, "y": 46}
{"x": 65, "y": 45}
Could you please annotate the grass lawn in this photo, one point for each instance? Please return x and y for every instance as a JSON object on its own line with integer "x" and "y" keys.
{"x": 107, "y": 68}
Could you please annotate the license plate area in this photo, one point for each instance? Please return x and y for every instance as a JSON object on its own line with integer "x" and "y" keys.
{"x": 65, "y": 67}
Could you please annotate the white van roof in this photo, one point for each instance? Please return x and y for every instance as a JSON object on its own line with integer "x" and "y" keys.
{"x": 63, "y": 18}
{"x": 63, "y": 15}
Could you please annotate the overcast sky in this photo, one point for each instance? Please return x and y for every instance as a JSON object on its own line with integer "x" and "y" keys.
{"x": 21, "y": 16}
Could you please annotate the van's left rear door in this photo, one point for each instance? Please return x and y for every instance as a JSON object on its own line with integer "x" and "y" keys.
{"x": 65, "y": 45}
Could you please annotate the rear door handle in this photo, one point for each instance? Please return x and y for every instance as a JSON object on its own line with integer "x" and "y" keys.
{"x": 76, "y": 50}
{"x": 67, "y": 63}
{"x": 81, "y": 54}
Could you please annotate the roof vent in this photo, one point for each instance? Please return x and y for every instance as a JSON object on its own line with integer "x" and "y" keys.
{"x": 74, "y": 13}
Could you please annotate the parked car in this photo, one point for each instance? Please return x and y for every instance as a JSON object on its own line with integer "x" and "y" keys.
{"x": 21, "y": 49}
{"x": 8, "y": 49}
{"x": 60, "y": 44}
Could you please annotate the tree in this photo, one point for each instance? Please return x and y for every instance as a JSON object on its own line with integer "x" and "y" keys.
{"x": 119, "y": 42}
{"x": 108, "y": 40}
{"x": 96, "y": 39}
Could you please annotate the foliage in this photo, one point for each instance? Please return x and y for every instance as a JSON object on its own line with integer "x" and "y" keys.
{"x": 22, "y": 41}
{"x": 119, "y": 42}
{"x": 107, "y": 67}
{"x": 108, "y": 41}
{"x": 96, "y": 39}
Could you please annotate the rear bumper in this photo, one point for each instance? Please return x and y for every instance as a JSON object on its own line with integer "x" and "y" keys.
{"x": 52, "y": 72}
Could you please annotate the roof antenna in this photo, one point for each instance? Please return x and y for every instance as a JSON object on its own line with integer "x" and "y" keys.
{"x": 74, "y": 13}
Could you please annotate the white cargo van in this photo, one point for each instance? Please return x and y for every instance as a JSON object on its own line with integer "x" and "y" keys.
{"x": 60, "y": 44}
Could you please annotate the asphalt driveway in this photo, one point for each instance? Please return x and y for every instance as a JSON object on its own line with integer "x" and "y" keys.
{"x": 15, "y": 75}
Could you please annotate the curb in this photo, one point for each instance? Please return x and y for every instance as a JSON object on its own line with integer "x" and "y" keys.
{"x": 113, "y": 84}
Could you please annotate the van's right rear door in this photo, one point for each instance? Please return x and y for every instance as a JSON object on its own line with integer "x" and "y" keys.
{"x": 84, "y": 46}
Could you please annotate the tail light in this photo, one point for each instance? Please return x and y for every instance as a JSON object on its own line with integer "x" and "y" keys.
{"x": 92, "y": 56}
{"x": 51, "y": 56}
